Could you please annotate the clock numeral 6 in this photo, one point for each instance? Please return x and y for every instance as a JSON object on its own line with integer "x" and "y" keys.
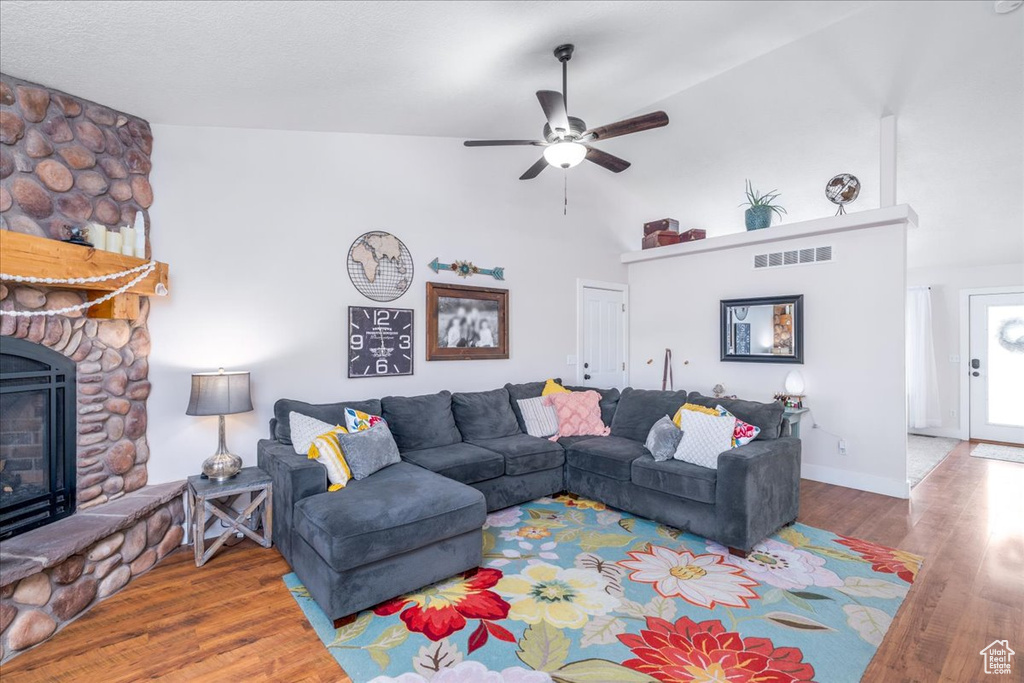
{"x": 405, "y": 342}
{"x": 382, "y": 365}
{"x": 356, "y": 342}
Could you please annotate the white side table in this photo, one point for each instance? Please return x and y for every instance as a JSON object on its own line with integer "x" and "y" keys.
{"x": 793, "y": 417}
{"x": 210, "y": 501}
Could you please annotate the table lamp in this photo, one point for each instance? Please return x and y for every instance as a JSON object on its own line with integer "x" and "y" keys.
{"x": 220, "y": 393}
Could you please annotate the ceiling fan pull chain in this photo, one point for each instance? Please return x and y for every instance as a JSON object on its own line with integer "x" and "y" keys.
{"x": 565, "y": 193}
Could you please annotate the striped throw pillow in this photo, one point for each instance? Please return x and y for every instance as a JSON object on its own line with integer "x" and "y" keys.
{"x": 540, "y": 419}
{"x": 327, "y": 451}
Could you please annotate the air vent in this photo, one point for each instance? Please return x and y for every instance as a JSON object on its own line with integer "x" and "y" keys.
{"x": 794, "y": 257}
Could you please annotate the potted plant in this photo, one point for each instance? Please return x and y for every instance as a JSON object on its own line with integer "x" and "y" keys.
{"x": 761, "y": 208}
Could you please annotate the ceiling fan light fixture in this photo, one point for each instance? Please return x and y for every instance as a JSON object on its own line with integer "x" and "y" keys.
{"x": 565, "y": 154}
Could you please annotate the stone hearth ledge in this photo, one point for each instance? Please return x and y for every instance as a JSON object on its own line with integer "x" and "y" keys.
{"x": 48, "y": 546}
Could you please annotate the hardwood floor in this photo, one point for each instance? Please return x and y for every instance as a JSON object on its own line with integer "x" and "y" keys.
{"x": 233, "y": 620}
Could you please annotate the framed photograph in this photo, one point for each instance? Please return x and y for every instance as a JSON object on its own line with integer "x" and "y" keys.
{"x": 466, "y": 323}
{"x": 379, "y": 341}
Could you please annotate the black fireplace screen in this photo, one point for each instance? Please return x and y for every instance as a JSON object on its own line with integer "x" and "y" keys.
{"x": 37, "y": 436}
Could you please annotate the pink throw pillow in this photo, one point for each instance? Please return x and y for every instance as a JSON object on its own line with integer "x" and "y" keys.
{"x": 579, "y": 414}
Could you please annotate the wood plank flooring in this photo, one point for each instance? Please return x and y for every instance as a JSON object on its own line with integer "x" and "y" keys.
{"x": 234, "y": 620}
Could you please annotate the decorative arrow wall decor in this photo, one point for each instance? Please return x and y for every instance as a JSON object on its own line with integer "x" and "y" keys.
{"x": 466, "y": 268}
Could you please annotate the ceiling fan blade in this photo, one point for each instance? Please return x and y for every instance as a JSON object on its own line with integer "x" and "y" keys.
{"x": 606, "y": 160}
{"x": 500, "y": 143}
{"x": 535, "y": 170}
{"x": 553, "y": 105}
{"x": 637, "y": 124}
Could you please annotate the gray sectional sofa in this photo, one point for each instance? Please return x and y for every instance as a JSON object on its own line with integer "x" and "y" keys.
{"x": 466, "y": 454}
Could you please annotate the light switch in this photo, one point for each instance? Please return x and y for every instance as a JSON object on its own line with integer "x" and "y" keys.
{"x": 570, "y": 359}
{"x": 954, "y": 358}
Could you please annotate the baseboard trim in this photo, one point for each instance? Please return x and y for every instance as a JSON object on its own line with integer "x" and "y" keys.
{"x": 856, "y": 480}
{"x": 947, "y": 432}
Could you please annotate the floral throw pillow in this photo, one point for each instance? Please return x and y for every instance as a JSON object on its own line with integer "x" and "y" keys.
{"x": 357, "y": 420}
{"x": 579, "y": 414}
{"x": 744, "y": 432}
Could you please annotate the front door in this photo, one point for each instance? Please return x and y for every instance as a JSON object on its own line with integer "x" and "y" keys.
{"x": 603, "y": 326}
{"x": 997, "y": 367}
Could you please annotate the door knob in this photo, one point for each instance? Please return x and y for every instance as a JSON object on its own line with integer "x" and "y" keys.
{"x": 586, "y": 376}
{"x": 976, "y": 374}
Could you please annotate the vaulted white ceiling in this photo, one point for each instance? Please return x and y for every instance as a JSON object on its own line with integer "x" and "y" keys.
{"x": 459, "y": 69}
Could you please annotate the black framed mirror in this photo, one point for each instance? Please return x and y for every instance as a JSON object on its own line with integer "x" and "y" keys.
{"x": 768, "y": 329}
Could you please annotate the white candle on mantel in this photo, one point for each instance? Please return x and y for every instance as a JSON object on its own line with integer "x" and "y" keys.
{"x": 114, "y": 241}
{"x": 140, "y": 235}
{"x": 98, "y": 235}
{"x": 128, "y": 241}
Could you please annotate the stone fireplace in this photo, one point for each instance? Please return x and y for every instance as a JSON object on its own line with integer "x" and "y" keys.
{"x": 65, "y": 161}
{"x": 37, "y": 436}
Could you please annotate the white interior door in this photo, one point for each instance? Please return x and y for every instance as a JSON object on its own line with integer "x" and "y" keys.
{"x": 603, "y": 348}
{"x": 997, "y": 367}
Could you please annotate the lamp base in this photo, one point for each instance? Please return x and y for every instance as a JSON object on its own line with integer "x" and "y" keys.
{"x": 221, "y": 466}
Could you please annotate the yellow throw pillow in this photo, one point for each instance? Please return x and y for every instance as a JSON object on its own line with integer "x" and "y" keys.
{"x": 678, "y": 418}
{"x": 326, "y": 450}
{"x": 553, "y": 387}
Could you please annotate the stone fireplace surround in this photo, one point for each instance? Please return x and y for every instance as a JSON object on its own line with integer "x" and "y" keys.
{"x": 65, "y": 161}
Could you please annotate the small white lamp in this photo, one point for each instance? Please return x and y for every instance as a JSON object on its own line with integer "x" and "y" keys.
{"x": 795, "y": 383}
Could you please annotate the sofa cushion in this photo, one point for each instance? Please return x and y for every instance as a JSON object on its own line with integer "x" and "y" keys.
{"x": 567, "y": 441}
{"x": 639, "y": 409}
{"x": 419, "y": 422}
{"x": 387, "y": 514}
{"x": 484, "y": 414}
{"x": 676, "y": 478}
{"x": 609, "y": 456}
{"x": 766, "y": 416}
{"x": 524, "y": 453}
{"x": 459, "y": 461}
{"x": 609, "y": 401}
{"x": 526, "y": 390}
{"x": 334, "y": 413}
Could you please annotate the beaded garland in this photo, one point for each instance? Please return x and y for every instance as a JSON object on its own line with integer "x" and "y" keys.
{"x": 143, "y": 271}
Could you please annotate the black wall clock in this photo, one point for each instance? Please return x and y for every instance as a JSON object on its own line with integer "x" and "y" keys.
{"x": 379, "y": 341}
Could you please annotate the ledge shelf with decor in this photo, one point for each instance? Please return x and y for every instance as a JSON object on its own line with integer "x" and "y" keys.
{"x": 901, "y": 214}
{"x": 39, "y": 257}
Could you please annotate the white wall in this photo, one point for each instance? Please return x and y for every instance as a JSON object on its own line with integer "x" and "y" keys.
{"x": 853, "y": 340}
{"x": 256, "y": 226}
{"x": 946, "y": 284}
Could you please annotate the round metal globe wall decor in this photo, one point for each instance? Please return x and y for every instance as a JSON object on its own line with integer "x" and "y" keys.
{"x": 841, "y": 190}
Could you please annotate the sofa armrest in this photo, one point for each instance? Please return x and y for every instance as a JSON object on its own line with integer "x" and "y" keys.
{"x": 758, "y": 490}
{"x": 294, "y": 477}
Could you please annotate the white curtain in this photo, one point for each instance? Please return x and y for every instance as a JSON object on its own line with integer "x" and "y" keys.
{"x": 922, "y": 385}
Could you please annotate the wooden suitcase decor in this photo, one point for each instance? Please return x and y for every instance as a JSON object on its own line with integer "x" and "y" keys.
{"x": 692, "y": 235}
{"x": 661, "y": 238}
{"x": 667, "y": 224}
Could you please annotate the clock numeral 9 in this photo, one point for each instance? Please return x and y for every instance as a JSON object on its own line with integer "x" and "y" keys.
{"x": 356, "y": 342}
{"x": 405, "y": 342}
{"x": 382, "y": 365}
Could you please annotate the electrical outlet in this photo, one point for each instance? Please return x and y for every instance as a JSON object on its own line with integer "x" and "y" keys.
{"x": 842, "y": 446}
{"x": 952, "y": 412}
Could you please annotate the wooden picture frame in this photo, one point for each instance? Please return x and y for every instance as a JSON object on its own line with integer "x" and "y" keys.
{"x": 466, "y": 323}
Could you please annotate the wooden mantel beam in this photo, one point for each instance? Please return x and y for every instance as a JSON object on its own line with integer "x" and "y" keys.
{"x": 32, "y": 256}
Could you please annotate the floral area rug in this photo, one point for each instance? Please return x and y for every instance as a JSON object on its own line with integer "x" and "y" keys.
{"x": 574, "y": 592}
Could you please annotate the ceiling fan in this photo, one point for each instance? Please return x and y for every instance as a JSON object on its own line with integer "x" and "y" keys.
{"x": 567, "y": 139}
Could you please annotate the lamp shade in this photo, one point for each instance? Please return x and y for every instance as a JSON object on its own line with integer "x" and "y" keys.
{"x": 794, "y": 383}
{"x": 219, "y": 393}
{"x": 565, "y": 154}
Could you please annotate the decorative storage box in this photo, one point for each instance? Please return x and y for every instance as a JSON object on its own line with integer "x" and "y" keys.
{"x": 693, "y": 235}
{"x": 661, "y": 238}
{"x": 665, "y": 224}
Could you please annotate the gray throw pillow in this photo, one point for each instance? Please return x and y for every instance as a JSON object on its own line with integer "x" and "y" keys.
{"x": 369, "y": 450}
{"x": 663, "y": 439}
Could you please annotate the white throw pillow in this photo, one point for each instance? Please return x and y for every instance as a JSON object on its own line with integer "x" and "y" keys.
{"x": 540, "y": 419}
{"x": 305, "y": 429}
{"x": 704, "y": 437}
